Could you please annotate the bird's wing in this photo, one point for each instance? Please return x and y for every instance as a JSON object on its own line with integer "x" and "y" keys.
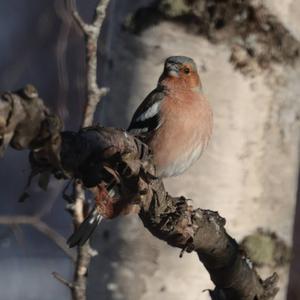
{"x": 85, "y": 229}
{"x": 147, "y": 118}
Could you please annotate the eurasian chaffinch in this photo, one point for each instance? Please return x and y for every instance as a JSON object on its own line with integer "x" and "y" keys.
{"x": 175, "y": 121}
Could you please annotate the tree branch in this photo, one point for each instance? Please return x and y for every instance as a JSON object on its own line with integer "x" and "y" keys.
{"x": 91, "y": 34}
{"x": 203, "y": 231}
{"x": 98, "y": 155}
{"x": 42, "y": 227}
{"x": 171, "y": 219}
{"x": 62, "y": 280}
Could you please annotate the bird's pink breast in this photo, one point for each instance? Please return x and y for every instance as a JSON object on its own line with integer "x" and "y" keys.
{"x": 184, "y": 134}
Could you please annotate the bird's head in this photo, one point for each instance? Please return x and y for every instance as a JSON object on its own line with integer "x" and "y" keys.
{"x": 180, "y": 72}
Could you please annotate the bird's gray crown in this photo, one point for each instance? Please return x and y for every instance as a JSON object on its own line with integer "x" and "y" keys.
{"x": 179, "y": 60}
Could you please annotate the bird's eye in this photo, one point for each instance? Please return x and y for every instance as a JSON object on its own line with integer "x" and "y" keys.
{"x": 186, "y": 70}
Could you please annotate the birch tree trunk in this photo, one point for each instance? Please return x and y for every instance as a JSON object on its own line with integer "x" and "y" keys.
{"x": 249, "y": 172}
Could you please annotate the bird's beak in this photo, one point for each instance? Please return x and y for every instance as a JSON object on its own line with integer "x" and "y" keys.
{"x": 172, "y": 70}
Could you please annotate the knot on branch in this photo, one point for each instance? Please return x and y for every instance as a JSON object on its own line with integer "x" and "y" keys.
{"x": 115, "y": 165}
{"x": 169, "y": 218}
{"x": 270, "y": 286}
{"x": 26, "y": 123}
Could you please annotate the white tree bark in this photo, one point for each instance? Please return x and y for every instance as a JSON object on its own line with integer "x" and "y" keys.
{"x": 249, "y": 172}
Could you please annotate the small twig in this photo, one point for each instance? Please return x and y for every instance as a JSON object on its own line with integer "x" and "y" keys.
{"x": 17, "y": 220}
{"x": 80, "y": 275}
{"x": 58, "y": 239}
{"x": 62, "y": 280}
{"x": 41, "y": 226}
{"x": 85, "y": 252}
{"x": 91, "y": 34}
{"x": 83, "y": 26}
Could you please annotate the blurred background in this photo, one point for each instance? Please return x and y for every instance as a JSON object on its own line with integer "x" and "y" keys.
{"x": 248, "y": 59}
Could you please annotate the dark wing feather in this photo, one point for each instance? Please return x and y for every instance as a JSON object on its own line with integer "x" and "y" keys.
{"x": 144, "y": 122}
{"x": 85, "y": 229}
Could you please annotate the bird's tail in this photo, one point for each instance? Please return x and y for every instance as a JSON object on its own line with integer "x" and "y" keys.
{"x": 85, "y": 229}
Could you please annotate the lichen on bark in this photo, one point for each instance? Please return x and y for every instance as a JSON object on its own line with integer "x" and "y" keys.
{"x": 257, "y": 38}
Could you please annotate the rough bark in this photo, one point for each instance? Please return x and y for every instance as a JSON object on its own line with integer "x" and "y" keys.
{"x": 249, "y": 171}
{"x": 98, "y": 154}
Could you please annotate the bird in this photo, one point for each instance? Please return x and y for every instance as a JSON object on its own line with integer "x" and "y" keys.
{"x": 175, "y": 120}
